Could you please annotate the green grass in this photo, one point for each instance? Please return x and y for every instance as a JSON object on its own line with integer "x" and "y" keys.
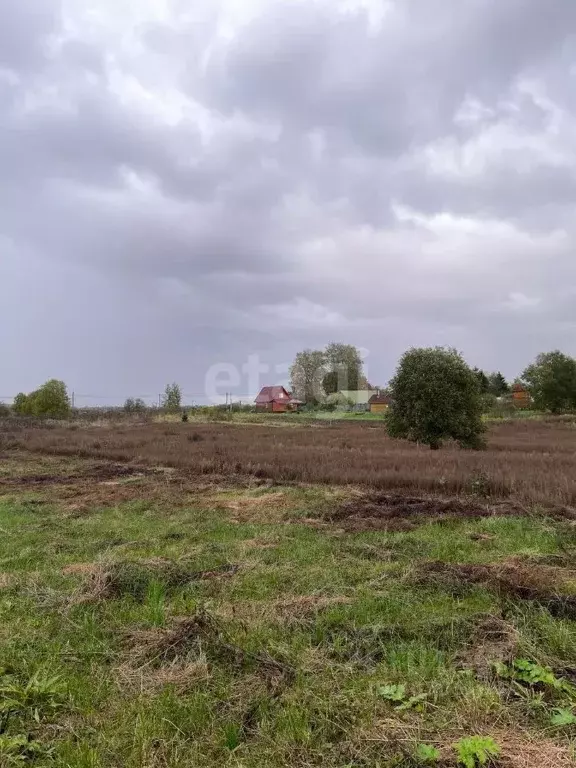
{"x": 298, "y": 642}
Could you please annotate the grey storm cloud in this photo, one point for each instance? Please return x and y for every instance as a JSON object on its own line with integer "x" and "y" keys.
{"x": 188, "y": 185}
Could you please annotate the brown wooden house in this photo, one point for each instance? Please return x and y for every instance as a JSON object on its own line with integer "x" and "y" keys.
{"x": 379, "y": 402}
{"x": 276, "y": 400}
{"x": 521, "y": 396}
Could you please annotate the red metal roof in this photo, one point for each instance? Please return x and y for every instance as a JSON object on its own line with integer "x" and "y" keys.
{"x": 271, "y": 394}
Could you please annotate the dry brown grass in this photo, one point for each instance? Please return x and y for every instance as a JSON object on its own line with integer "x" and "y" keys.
{"x": 518, "y": 748}
{"x": 524, "y": 751}
{"x": 182, "y": 676}
{"x": 287, "y": 611}
{"x": 6, "y": 580}
{"x": 533, "y": 461}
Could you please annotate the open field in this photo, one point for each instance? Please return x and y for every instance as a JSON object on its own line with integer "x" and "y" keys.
{"x": 532, "y": 461}
{"x": 219, "y": 595}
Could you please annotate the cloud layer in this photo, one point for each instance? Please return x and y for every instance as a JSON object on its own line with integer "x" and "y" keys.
{"x": 189, "y": 184}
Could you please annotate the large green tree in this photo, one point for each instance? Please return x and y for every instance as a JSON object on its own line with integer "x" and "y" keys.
{"x": 435, "y": 396}
{"x": 551, "y": 380}
{"x": 344, "y": 363}
{"x": 307, "y": 375}
{"x": 330, "y": 383}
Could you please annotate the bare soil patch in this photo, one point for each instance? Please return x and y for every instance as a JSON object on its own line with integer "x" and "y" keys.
{"x": 80, "y": 485}
{"x": 400, "y": 512}
{"x": 102, "y": 472}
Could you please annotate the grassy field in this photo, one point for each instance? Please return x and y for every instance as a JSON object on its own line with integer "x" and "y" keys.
{"x": 170, "y": 597}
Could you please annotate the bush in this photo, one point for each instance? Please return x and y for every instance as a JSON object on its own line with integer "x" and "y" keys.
{"x": 22, "y": 405}
{"x": 489, "y": 402}
{"x": 435, "y": 396}
{"x": 135, "y": 405}
{"x": 50, "y": 400}
{"x": 4, "y": 411}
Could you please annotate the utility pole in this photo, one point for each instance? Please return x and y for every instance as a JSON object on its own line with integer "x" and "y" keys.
{"x": 159, "y": 401}
{"x": 73, "y": 399}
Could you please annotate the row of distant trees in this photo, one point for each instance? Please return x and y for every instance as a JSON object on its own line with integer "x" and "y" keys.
{"x": 51, "y": 400}
{"x": 171, "y": 401}
{"x": 318, "y": 374}
{"x": 550, "y": 380}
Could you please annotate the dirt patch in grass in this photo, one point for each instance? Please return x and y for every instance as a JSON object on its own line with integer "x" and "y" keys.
{"x": 106, "y": 472}
{"x": 80, "y": 484}
{"x": 108, "y": 581}
{"x": 551, "y": 586}
{"x": 399, "y": 512}
{"x": 493, "y": 640}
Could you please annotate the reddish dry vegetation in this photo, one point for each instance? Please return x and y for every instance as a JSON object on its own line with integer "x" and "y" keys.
{"x": 531, "y": 461}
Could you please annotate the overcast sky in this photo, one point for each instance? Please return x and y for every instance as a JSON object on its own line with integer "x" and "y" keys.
{"x": 184, "y": 184}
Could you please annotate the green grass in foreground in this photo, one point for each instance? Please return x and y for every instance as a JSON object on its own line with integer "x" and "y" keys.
{"x": 292, "y": 634}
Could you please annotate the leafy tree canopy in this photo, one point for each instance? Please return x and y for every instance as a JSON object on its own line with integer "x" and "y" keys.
{"x": 435, "y": 396}
{"x": 172, "y": 400}
{"x": 551, "y": 380}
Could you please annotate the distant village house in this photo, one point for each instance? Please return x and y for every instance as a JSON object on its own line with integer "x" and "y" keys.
{"x": 379, "y": 402}
{"x": 276, "y": 400}
{"x": 521, "y": 396}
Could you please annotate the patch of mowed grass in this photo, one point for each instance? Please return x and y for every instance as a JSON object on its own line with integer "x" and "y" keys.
{"x": 304, "y": 634}
{"x": 478, "y": 540}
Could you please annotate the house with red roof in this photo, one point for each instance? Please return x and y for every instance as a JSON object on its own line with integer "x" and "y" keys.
{"x": 276, "y": 400}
